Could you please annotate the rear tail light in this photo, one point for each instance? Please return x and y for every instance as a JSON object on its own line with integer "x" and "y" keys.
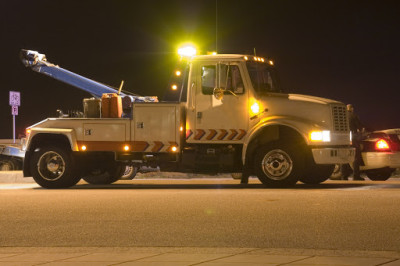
{"x": 382, "y": 145}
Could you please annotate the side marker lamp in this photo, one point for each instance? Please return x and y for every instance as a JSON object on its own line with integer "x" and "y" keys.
{"x": 255, "y": 108}
{"x": 174, "y": 149}
{"x": 126, "y": 148}
{"x": 83, "y": 148}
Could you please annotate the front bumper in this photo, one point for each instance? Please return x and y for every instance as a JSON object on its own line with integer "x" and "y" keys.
{"x": 373, "y": 160}
{"x": 333, "y": 155}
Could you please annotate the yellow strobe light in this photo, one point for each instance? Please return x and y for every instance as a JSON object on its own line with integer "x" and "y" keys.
{"x": 187, "y": 51}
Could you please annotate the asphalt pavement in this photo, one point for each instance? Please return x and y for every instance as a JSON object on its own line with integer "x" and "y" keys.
{"x": 182, "y": 255}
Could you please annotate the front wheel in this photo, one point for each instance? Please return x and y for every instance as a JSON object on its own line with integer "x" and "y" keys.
{"x": 278, "y": 165}
{"x": 54, "y": 167}
{"x": 317, "y": 174}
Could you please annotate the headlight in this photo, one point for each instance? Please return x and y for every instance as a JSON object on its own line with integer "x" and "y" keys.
{"x": 324, "y": 136}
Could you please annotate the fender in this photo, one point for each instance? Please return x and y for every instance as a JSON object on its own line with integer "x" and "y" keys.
{"x": 67, "y": 132}
{"x": 298, "y": 125}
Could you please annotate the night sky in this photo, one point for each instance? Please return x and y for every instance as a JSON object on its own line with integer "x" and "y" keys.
{"x": 344, "y": 50}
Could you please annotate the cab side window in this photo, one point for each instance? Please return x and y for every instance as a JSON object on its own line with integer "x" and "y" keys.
{"x": 208, "y": 79}
{"x": 222, "y": 76}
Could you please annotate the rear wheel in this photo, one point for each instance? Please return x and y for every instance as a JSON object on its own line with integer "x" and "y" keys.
{"x": 54, "y": 167}
{"x": 278, "y": 165}
{"x": 105, "y": 173}
{"x": 379, "y": 174}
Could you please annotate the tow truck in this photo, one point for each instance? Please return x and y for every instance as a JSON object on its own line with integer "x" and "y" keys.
{"x": 224, "y": 113}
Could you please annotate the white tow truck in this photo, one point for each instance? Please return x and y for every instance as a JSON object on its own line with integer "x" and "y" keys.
{"x": 224, "y": 113}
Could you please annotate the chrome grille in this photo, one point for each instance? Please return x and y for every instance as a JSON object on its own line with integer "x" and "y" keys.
{"x": 339, "y": 115}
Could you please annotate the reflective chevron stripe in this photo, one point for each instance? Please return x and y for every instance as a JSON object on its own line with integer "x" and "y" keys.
{"x": 216, "y": 134}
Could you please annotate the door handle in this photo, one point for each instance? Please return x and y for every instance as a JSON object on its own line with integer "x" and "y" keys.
{"x": 193, "y": 97}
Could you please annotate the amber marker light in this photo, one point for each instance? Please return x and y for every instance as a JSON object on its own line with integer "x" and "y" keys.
{"x": 174, "y": 149}
{"x": 28, "y": 131}
{"x": 271, "y": 62}
{"x": 126, "y": 148}
{"x": 181, "y": 129}
{"x": 174, "y": 87}
{"x": 178, "y": 73}
{"x": 83, "y": 148}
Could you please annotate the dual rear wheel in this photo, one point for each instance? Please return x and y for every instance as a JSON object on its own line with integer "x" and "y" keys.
{"x": 55, "y": 167}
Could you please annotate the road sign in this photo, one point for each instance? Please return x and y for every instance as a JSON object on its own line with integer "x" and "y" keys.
{"x": 14, "y": 110}
{"x": 15, "y": 98}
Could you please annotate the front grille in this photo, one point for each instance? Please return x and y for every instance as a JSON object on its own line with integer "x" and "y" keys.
{"x": 339, "y": 116}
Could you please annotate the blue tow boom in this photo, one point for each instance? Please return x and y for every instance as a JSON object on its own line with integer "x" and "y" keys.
{"x": 38, "y": 63}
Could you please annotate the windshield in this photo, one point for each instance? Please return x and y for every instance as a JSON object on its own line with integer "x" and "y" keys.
{"x": 263, "y": 77}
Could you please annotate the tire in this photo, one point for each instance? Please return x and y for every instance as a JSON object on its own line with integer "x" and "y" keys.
{"x": 317, "y": 174}
{"x": 341, "y": 172}
{"x": 105, "y": 175}
{"x": 8, "y": 165}
{"x": 129, "y": 172}
{"x": 278, "y": 164}
{"x": 380, "y": 174}
{"x": 54, "y": 167}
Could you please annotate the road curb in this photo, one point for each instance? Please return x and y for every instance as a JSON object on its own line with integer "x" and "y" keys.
{"x": 14, "y": 177}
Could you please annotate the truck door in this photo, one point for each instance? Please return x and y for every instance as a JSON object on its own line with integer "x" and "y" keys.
{"x": 219, "y": 103}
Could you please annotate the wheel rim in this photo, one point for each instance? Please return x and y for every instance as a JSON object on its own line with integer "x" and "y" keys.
{"x": 277, "y": 164}
{"x": 51, "y": 166}
{"x": 6, "y": 167}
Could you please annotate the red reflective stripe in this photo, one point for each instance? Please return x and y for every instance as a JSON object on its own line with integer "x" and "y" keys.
{"x": 212, "y": 134}
{"x": 158, "y": 145}
{"x": 233, "y": 134}
{"x": 223, "y": 134}
{"x": 200, "y": 134}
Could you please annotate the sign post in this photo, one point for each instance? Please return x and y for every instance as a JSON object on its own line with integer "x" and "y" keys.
{"x": 15, "y": 101}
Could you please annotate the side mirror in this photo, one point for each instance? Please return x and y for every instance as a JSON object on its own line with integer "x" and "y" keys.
{"x": 218, "y": 93}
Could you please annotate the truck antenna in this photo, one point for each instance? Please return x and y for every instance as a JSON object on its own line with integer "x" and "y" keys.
{"x": 216, "y": 26}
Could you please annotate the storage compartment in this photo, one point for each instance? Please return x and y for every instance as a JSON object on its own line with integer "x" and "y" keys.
{"x": 111, "y": 105}
{"x": 92, "y": 107}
